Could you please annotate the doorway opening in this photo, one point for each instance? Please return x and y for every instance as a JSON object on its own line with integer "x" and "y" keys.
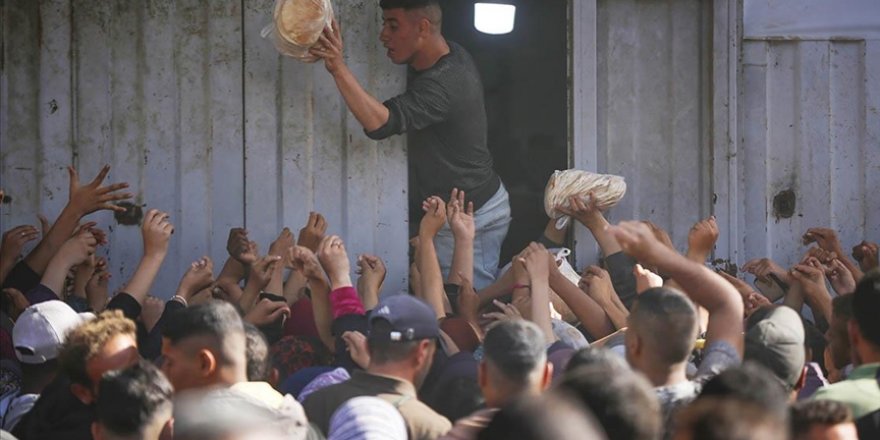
{"x": 525, "y": 81}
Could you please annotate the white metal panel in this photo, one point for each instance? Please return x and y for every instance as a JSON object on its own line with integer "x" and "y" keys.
{"x": 811, "y": 19}
{"x": 203, "y": 118}
{"x": 807, "y": 111}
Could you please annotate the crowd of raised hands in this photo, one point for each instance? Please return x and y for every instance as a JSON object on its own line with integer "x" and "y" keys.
{"x": 311, "y": 264}
{"x": 310, "y": 267}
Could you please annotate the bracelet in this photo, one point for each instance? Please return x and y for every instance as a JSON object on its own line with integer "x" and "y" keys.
{"x": 521, "y": 286}
{"x": 180, "y": 299}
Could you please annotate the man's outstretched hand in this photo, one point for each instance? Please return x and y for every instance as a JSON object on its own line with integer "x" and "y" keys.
{"x": 329, "y": 48}
{"x": 86, "y": 199}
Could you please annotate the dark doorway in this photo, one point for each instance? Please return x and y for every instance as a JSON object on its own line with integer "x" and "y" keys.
{"x": 525, "y": 81}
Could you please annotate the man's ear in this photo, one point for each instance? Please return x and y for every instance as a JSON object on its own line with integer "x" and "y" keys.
{"x": 207, "y": 362}
{"x": 548, "y": 376}
{"x": 83, "y": 393}
{"x": 274, "y": 377}
{"x": 802, "y": 381}
{"x": 424, "y": 351}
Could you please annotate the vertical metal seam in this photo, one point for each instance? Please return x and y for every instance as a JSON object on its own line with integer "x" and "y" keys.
{"x": 243, "y": 119}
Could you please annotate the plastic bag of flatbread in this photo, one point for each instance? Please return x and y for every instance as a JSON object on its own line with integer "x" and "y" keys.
{"x": 607, "y": 188}
{"x": 297, "y": 25}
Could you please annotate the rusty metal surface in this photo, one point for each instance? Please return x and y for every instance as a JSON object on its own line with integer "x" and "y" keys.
{"x": 202, "y": 116}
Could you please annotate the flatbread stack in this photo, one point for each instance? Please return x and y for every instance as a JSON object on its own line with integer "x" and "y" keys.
{"x": 607, "y": 188}
{"x": 297, "y": 25}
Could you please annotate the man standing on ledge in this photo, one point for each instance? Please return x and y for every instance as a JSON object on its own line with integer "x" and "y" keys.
{"x": 443, "y": 113}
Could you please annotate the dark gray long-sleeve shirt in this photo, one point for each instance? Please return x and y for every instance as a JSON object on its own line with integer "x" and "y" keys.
{"x": 444, "y": 115}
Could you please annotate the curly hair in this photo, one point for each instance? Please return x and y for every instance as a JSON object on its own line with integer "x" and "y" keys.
{"x": 86, "y": 340}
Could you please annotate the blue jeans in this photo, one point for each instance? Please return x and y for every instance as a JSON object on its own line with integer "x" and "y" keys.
{"x": 491, "y": 222}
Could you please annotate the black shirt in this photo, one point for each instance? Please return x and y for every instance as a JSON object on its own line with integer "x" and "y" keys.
{"x": 444, "y": 115}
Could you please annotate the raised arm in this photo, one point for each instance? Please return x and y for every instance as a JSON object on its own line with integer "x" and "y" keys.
{"x": 371, "y": 113}
{"x": 703, "y": 286}
{"x": 156, "y": 231}
{"x": 426, "y": 257}
{"x": 84, "y": 200}
{"x": 461, "y": 221}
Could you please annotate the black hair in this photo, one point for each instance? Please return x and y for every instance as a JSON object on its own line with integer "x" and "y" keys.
{"x": 590, "y": 356}
{"x": 515, "y": 348}
{"x": 717, "y": 418}
{"x": 806, "y": 414}
{"x": 458, "y": 398}
{"x": 668, "y": 321}
{"x": 131, "y": 399}
{"x": 407, "y": 5}
{"x": 213, "y": 318}
{"x": 866, "y": 303}
{"x": 551, "y": 415}
{"x": 624, "y": 403}
{"x": 384, "y": 350}
{"x": 750, "y": 382}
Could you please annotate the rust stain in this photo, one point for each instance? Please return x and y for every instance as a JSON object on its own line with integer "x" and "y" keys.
{"x": 131, "y": 216}
{"x": 784, "y": 203}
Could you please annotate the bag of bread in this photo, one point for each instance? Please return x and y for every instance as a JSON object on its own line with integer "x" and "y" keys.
{"x": 607, "y": 188}
{"x": 297, "y": 25}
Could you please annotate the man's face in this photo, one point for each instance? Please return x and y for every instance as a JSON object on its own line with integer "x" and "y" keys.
{"x": 118, "y": 353}
{"x": 400, "y": 34}
{"x": 181, "y": 365}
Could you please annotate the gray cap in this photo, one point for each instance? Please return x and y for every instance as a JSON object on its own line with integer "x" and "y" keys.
{"x": 516, "y": 347}
{"x": 775, "y": 339}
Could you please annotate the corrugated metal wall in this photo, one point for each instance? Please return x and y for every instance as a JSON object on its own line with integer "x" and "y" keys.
{"x": 809, "y": 153}
{"x": 653, "y": 97}
{"x": 203, "y": 118}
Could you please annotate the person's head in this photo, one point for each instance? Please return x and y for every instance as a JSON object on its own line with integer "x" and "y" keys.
{"x": 623, "y": 402}
{"x": 750, "y": 382}
{"x": 108, "y": 342}
{"x": 402, "y": 338}
{"x": 597, "y": 356}
{"x": 728, "y": 419}
{"x": 662, "y": 330}
{"x": 775, "y": 339}
{"x": 822, "y": 420}
{"x": 204, "y": 345}
{"x": 38, "y": 334}
{"x": 550, "y": 415}
{"x": 514, "y": 362}
{"x": 864, "y": 328}
{"x": 409, "y": 27}
{"x": 259, "y": 366}
{"x": 837, "y": 334}
{"x": 367, "y": 417}
{"x": 135, "y": 403}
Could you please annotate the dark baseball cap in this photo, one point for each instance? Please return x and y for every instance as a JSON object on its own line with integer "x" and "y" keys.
{"x": 410, "y": 318}
{"x": 775, "y": 339}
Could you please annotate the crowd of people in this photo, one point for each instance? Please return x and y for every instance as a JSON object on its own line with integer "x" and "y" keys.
{"x": 651, "y": 344}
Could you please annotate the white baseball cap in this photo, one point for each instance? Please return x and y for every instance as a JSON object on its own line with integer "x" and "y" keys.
{"x": 41, "y": 329}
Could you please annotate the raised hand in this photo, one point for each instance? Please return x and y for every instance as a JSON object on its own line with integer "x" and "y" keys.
{"x": 266, "y": 312}
{"x": 537, "y": 265}
{"x": 261, "y": 272}
{"x": 312, "y": 233}
{"x": 826, "y": 238}
{"x": 762, "y": 268}
{"x": 329, "y": 48}
{"x": 334, "y": 260}
{"x": 585, "y": 212}
{"x": 305, "y": 261}
{"x": 645, "y": 279}
{"x": 866, "y": 254}
{"x": 86, "y": 199}
{"x": 460, "y": 216}
{"x": 78, "y": 248}
{"x": 14, "y": 241}
{"x": 199, "y": 276}
{"x": 506, "y": 312}
{"x": 97, "y": 288}
{"x": 372, "y": 274}
{"x": 637, "y": 240}
{"x": 810, "y": 278}
{"x": 281, "y": 244}
{"x": 840, "y": 277}
{"x": 82, "y": 273}
{"x": 356, "y": 346}
{"x": 820, "y": 254}
{"x": 468, "y": 302}
{"x": 434, "y": 218}
{"x": 156, "y": 231}
{"x": 702, "y": 238}
{"x": 240, "y": 247}
{"x": 598, "y": 284}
